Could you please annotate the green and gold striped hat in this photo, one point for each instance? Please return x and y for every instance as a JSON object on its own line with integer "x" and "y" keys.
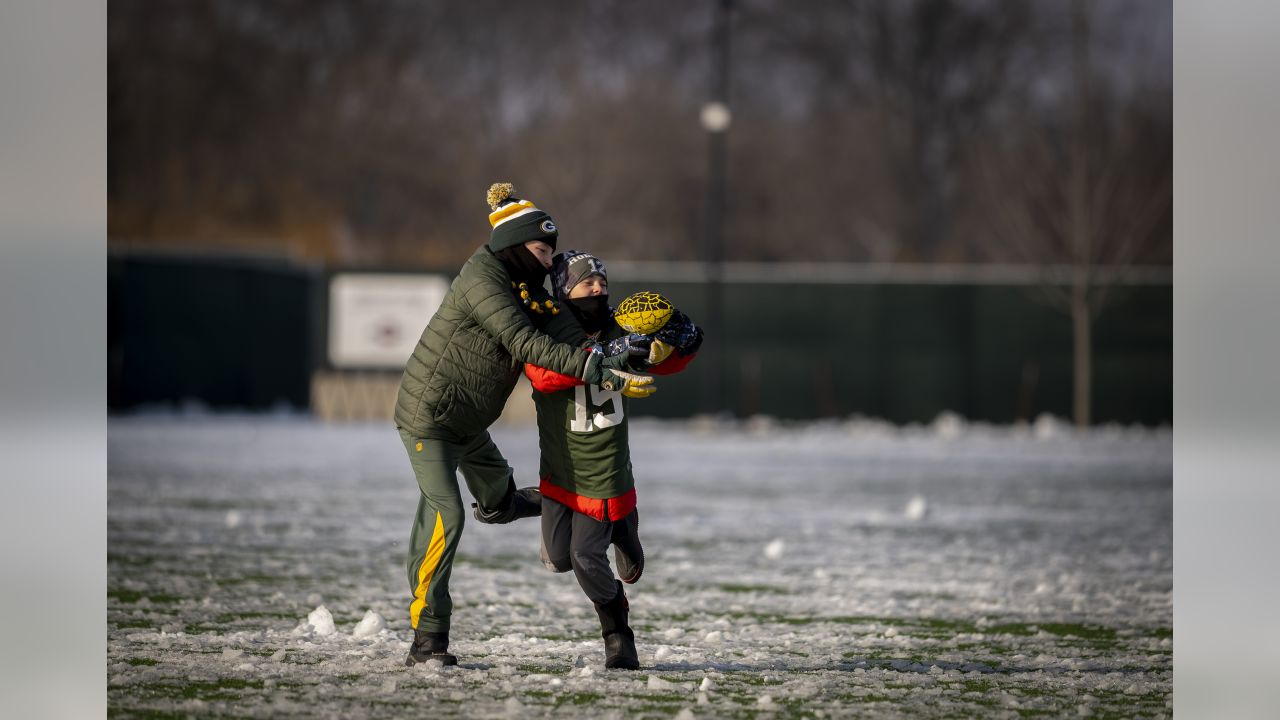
{"x": 517, "y": 221}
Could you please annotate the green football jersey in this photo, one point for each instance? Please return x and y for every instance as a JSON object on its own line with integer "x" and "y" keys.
{"x": 582, "y": 432}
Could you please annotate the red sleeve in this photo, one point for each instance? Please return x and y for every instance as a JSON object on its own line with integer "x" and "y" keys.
{"x": 549, "y": 381}
{"x": 672, "y": 365}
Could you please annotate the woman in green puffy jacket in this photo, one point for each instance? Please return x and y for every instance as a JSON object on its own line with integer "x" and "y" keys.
{"x": 456, "y": 383}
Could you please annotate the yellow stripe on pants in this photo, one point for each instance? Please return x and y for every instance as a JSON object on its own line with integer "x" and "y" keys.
{"x": 428, "y": 568}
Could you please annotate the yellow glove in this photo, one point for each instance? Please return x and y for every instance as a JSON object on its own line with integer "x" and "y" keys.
{"x": 629, "y": 384}
{"x": 658, "y": 352}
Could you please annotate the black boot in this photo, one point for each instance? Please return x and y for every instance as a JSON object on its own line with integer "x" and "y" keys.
{"x": 619, "y": 641}
{"x": 522, "y": 503}
{"x": 430, "y": 646}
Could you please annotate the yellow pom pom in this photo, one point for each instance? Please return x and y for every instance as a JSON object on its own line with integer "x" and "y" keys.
{"x": 524, "y": 294}
{"x": 498, "y": 193}
{"x": 644, "y": 312}
{"x": 549, "y": 304}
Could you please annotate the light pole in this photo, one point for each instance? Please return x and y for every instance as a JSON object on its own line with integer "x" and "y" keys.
{"x": 715, "y": 120}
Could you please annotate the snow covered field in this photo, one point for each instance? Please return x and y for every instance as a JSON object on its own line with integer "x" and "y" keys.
{"x": 831, "y": 570}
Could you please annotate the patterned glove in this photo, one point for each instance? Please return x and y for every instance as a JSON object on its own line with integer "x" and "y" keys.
{"x": 681, "y": 333}
{"x": 659, "y": 352}
{"x": 629, "y": 384}
{"x": 613, "y": 356}
{"x": 628, "y": 346}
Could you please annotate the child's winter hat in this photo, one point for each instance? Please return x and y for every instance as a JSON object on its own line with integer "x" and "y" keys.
{"x": 572, "y": 267}
{"x": 517, "y": 221}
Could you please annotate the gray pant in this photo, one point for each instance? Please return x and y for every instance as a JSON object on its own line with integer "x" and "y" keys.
{"x": 573, "y": 541}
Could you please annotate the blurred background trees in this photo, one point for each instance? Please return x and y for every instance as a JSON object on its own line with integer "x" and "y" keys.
{"x": 911, "y": 132}
{"x": 886, "y": 131}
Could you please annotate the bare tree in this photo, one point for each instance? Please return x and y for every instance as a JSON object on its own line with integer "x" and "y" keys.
{"x": 1083, "y": 182}
{"x": 913, "y": 80}
{"x": 364, "y": 133}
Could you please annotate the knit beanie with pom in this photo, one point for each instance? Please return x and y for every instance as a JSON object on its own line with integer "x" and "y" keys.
{"x": 517, "y": 221}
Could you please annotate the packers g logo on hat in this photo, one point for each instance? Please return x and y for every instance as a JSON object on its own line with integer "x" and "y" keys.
{"x": 547, "y": 226}
{"x": 644, "y": 312}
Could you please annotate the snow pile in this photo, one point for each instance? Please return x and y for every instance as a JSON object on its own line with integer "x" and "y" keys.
{"x": 319, "y": 622}
{"x": 774, "y": 549}
{"x": 1048, "y": 427}
{"x": 949, "y": 425}
{"x": 916, "y": 509}
{"x": 371, "y": 624}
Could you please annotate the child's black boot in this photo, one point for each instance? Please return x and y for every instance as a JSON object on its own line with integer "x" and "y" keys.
{"x": 619, "y": 641}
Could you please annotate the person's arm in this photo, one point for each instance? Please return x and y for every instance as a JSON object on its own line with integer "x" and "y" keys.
{"x": 549, "y": 381}
{"x": 564, "y": 327}
{"x": 672, "y": 365}
{"x": 495, "y": 309}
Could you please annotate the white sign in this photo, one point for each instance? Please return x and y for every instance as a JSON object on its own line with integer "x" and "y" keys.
{"x": 375, "y": 319}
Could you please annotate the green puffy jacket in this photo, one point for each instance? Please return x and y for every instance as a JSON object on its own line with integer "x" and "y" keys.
{"x": 469, "y": 356}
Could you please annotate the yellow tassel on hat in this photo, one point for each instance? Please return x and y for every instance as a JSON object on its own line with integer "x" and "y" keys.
{"x": 498, "y": 194}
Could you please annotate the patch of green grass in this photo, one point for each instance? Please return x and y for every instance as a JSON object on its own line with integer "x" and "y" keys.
{"x": 750, "y": 678}
{"x": 571, "y": 638}
{"x": 117, "y": 559}
{"x": 1037, "y": 712}
{"x": 222, "y": 689}
{"x": 220, "y": 686}
{"x": 539, "y": 670}
{"x": 144, "y": 713}
{"x": 129, "y": 597}
{"x": 229, "y": 618}
{"x": 887, "y": 662}
{"x": 667, "y": 621}
{"x": 142, "y": 661}
{"x": 133, "y": 624}
{"x": 656, "y": 709}
{"x": 1088, "y": 632}
{"x": 654, "y": 704}
{"x": 578, "y": 698}
{"x": 978, "y": 686}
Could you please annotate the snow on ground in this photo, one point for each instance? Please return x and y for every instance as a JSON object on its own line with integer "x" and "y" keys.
{"x": 843, "y": 569}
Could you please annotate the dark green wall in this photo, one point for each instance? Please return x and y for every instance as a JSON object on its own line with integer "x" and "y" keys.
{"x": 231, "y": 333}
{"x": 249, "y": 333}
{"x": 908, "y": 352}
